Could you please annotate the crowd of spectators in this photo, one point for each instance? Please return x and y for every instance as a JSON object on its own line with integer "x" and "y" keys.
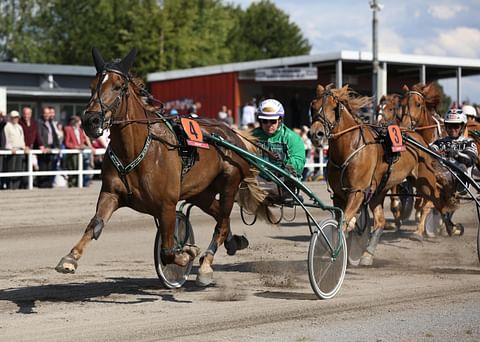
{"x": 21, "y": 133}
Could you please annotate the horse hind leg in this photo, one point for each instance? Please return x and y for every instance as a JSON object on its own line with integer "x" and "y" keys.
{"x": 107, "y": 203}
{"x": 220, "y": 210}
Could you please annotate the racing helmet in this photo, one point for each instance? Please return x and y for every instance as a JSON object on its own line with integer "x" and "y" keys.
{"x": 469, "y": 111}
{"x": 455, "y": 116}
{"x": 270, "y": 109}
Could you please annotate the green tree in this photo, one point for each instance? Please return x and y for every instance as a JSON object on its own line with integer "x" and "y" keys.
{"x": 169, "y": 34}
{"x": 265, "y": 31}
{"x": 195, "y": 33}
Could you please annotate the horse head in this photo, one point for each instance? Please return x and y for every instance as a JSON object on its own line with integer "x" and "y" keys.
{"x": 334, "y": 110}
{"x": 109, "y": 88}
{"x": 419, "y": 103}
{"x": 324, "y": 113}
{"x": 389, "y": 109}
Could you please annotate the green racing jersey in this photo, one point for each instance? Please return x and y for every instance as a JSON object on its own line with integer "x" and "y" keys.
{"x": 285, "y": 143}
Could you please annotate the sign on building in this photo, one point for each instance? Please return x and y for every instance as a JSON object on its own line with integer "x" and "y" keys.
{"x": 286, "y": 74}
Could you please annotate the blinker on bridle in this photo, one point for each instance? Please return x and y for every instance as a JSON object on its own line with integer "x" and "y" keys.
{"x": 320, "y": 115}
{"x": 112, "y": 108}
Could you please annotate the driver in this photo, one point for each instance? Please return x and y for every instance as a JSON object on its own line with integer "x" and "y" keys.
{"x": 284, "y": 145}
{"x": 460, "y": 150}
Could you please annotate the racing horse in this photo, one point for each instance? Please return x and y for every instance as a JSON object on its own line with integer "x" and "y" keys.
{"x": 419, "y": 113}
{"x": 145, "y": 171}
{"x": 389, "y": 111}
{"x": 359, "y": 170}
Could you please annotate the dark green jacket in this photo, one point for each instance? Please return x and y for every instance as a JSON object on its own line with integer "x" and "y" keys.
{"x": 287, "y": 143}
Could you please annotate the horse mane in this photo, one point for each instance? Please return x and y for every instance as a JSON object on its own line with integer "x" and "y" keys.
{"x": 431, "y": 93}
{"x": 352, "y": 100}
{"x": 150, "y": 103}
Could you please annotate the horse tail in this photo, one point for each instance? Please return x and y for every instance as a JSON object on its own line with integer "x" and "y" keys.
{"x": 251, "y": 197}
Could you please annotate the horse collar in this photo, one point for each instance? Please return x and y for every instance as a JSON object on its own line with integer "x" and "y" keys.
{"x": 123, "y": 170}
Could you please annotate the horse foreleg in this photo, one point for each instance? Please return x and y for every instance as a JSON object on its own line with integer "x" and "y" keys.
{"x": 378, "y": 226}
{"x": 425, "y": 209}
{"x": 169, "y": 252}
{"x": 107, "y": 203}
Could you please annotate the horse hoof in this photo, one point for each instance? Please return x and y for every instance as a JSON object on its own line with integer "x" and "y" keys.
{"x": 236, "y": 243}
{"x": 66, "y": 265}
{"x": 204, "y": 279}
{"x": 366, "y": 259}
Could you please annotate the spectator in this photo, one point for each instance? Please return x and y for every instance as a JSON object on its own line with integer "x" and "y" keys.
{"x": 32, "y": 139}
{"x": 3, "y": 122}
{"x": 75, "y": 138}
{"x": 307, "y": 144}
{"x": 248, "y": 115}
{"x": 14, "y": 141}
{"x": 225, "y": 115}
{"x": 47, "y": 161}
{"x": 173, "y": 111}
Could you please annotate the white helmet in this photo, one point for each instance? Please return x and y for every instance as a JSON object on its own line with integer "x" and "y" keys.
{"x": 270, "y": 109}
{"x": 455, "y": 116}
{"x": 469, "y": 110}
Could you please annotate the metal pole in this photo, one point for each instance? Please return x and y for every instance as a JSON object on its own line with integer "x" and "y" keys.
{"x": 375, "y": 6}
{"x": 459, "y": 86}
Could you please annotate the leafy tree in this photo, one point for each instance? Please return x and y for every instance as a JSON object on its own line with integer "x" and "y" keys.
{"x": 266, "y": 32}
{"x": 169, "y": 34}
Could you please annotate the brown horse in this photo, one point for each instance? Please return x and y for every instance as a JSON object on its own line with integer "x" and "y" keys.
{"x": 155, "y": 178}
{"x": 359, "y": 169}
{"x": 419, "y": 113}
{"x": 389, "y": 111}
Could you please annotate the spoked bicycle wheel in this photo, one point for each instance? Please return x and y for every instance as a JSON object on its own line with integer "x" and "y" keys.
{"x": 326, "y": 268}
{"x": 358, "y": 238}
{"x": 173, "y": 276}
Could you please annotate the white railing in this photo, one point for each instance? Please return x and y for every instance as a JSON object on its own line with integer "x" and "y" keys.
{"x": 322, "y": 163}
{"x": 30, "y": 173}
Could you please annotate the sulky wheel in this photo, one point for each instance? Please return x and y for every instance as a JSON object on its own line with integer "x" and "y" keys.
{"x": 357, "y": 240}
{"x": 326, "y": 269}
{"x": 173, "y": 276}
{"x": 407, "y": 199}
{"x": 248, "y": 218}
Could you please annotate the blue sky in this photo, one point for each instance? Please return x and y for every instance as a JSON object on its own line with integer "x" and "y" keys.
{"x": 425, "y": 27}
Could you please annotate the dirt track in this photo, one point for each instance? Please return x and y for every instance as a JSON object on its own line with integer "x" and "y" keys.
{"x": 415, "y": 291}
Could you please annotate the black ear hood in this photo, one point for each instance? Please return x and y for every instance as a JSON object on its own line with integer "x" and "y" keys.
{"x": 123, "y": 66}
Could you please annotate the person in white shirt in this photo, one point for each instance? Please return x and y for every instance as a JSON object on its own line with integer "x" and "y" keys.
{"x": 15, "y": 142}
{"x": 248, "y": 116}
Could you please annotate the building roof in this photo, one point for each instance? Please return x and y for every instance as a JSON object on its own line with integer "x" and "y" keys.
{"x": 469, "y": 66}
{"x": 54, "y": 69}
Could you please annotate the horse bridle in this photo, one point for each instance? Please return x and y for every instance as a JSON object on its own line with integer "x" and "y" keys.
{"x": 320, "y": 114}
{"x": 407, "y": 111}
{"x": 113, "y": 107}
